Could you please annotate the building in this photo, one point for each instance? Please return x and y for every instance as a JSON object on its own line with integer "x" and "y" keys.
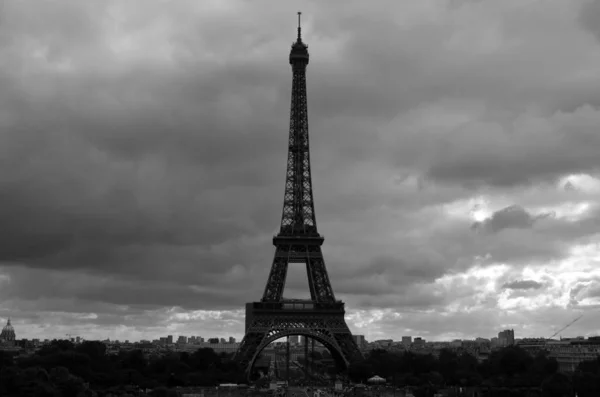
{"x": 360, "y": 340}
{"x": 406, "y": 340}
{"x": 182, "y": 340}
{"x": 170, "y": 339}
{"x": 216, "y": 347}
{"x": 7, "y": 336}
{"x": 231, "y": 339}
{"x": 568, "y": 353}
{"x": 506, "y": 337}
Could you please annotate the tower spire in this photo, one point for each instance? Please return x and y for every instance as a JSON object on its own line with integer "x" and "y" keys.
{"x": 299, "y": 27}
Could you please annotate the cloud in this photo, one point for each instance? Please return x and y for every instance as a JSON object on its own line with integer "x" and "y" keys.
{"x": 589, "y": 16}
{"x": 523, "y": 285}
{"x": 144, "y": 150}
{"x": 510, "y": 217}
{"x": 499, "y": 157}
{"x": 474, "y": 148}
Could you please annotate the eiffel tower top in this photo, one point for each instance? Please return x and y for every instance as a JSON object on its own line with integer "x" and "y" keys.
{"x": 298, "y": 217}
{"x": 299, "y": 52}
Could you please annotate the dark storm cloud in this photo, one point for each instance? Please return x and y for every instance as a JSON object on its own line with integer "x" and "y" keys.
{"x": 501, "y": 156}
{"x": 132, "y": 173}
{"x": 144, "y": 149}
{"x": 594, "y": 289}
{"x": 523, "y": 285}
{"x": 509, "y": 130}
{"x": 209, "y": 289}
{"x": 546, "y": 238}
{"x": 142, "y": 170}
{"x": 151, "y": 120}
{"x": 512, "y": 217}
{"x": 50, "y": 319}
{"x": 414, "y": 263}
{"x": 409, "y": 300}
{"x": 589, "y": 17}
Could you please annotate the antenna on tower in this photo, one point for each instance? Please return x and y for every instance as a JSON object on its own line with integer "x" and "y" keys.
{"x": 299, "y": 35}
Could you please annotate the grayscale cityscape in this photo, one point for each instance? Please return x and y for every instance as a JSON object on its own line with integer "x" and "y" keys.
{"x": 160, "y": 193}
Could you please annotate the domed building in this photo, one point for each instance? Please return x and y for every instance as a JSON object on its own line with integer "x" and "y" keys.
{"x": 7, "y": 336}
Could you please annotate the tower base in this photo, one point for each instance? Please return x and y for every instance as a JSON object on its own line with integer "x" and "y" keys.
{"x": 323, "y": 322}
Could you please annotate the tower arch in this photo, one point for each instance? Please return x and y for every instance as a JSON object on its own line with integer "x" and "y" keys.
{"x": 327, "y": 341}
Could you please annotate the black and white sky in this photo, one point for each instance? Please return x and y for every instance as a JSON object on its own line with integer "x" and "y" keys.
{"x": 455, "y": 156}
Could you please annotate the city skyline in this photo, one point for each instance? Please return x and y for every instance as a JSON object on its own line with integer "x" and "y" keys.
{"x": 505, "y": 337}
{"x": 454, "y": 160}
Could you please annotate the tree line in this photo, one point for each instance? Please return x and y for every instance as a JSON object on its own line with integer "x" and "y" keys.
{"x": 62, "y": 368}
{"x": 510, "y": 368}
{"x": 65, "y": 369}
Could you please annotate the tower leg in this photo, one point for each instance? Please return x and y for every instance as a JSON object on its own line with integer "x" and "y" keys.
{"x": 312, "y": 357}
{"x": 287, "y": 361}
{"x": 306, "y": 357}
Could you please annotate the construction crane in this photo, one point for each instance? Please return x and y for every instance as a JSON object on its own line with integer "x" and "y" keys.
{"x": 565, "y": 327}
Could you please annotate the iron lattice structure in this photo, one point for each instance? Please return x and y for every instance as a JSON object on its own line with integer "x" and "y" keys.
{"x": 298, "y": 241}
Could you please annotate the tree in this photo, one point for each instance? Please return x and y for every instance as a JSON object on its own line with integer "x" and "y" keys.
{"x": 360, "y": 371}
{"x": 134, "y": 360}
{"x": 95, "y": 350}
{"x": 557, "y": 385}
{"x": 163, "y": 392}
{"x": 447, "y": 365}
{"x": 205, "y": 358}
{"x": 6, "y": 359}
{"x": 586, "y": 384}
{"x": 9, "y": 380}
{"x": 590, "y": 366}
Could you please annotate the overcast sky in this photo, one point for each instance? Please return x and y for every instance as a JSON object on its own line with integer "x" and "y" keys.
{"x": 455, "y": 156}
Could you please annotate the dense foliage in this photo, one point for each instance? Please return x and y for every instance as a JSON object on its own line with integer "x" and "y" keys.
{"x": 65, "y": 367}
{"x": 509, "y": 368}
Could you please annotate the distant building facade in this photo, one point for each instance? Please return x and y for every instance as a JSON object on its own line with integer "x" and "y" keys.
{"x": 360, "y": 340}
{"x": 295, "y": 339}
{"x": 506, "y": 338}
{"x": 8, "y": 337}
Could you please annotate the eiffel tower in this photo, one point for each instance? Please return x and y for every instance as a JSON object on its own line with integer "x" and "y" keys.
{"x": 320, "y": 318}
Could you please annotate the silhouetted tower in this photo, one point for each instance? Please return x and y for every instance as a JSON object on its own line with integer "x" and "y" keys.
{"x": 298, "y": 241}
